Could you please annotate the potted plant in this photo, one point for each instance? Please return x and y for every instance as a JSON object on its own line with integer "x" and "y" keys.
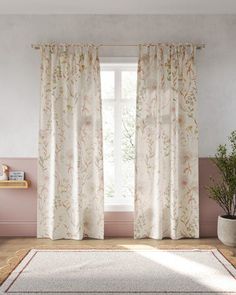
{"x": 224, "y": 191}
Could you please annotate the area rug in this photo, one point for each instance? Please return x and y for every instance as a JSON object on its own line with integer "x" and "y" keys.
{"x": 122, "y": 272}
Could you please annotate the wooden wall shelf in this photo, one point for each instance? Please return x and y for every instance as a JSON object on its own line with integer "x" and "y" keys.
{"x": 14, "y": 183}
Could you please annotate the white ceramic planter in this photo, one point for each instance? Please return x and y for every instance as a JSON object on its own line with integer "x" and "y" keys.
{"x": 226, "y": 231}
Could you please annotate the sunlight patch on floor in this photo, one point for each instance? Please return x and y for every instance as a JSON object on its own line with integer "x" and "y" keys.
{"x": 189, "y": 268}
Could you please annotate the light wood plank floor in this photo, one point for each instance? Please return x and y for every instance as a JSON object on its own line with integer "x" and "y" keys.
{"x": 9, "y": 246}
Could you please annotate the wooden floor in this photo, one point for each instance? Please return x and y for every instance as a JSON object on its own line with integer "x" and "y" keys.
{"x": 9, "y": 246}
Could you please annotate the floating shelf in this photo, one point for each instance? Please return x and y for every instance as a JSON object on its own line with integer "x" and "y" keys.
{"x": 14, "y": 183}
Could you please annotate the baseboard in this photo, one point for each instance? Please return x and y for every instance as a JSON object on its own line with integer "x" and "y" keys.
{"x": 113, "y": 228}
{"x": 208, "y": 229}
{"x": 121, "y": 228}
{"x": 25, "y": 228}
{"x": 19, "y": 228}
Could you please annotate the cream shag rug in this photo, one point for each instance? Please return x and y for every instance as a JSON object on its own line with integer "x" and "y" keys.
{"x": 122, "y": 272}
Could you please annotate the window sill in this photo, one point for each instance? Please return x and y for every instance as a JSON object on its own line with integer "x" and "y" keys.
{"x": 118, "y": 208}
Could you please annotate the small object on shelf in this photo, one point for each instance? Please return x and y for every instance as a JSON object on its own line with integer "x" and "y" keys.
{"x": 14, "y": 183}
{"x": 16, "y": 175}
{"x": 4, "y": 175}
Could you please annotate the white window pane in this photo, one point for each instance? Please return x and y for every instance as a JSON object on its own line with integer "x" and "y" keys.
{"x": 129, "y": 84}
{"x": 108, "y": 150}
{"x": 119, "y": 134}
{"x": 108, "y": 84}
{"x": 128, "y": 151}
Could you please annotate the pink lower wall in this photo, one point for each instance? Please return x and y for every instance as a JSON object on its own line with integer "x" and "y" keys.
{"x": 18, "y": 206}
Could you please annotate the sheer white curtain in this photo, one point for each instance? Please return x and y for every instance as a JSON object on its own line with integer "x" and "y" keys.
{"x": 166, "y": 192}
{"x": 70, "y": 165}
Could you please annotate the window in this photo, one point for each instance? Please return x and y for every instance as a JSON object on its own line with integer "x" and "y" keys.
{"x": 118, "y": 85}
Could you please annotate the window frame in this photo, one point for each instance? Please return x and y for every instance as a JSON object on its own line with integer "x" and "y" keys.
{"x": 118, "y": 64}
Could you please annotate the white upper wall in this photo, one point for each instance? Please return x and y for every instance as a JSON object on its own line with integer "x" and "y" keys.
{"x": 117, "y": 6}
{"x": 20, "y": 66}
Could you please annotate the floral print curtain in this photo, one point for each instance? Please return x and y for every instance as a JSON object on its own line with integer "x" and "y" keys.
{"x": 70, "y": 165}
{"x": 166, "y": 190}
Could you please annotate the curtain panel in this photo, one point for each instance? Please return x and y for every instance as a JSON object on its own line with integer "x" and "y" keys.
{"x": 166, "y": 184}
{"x": 70, "y": 165}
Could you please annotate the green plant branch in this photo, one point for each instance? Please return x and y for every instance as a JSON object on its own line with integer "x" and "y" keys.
{"x": 224, "y": 192}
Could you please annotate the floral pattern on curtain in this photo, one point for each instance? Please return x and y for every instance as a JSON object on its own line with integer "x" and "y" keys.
{"x": 166, "y": 189}
{"x": 70, "y": 164}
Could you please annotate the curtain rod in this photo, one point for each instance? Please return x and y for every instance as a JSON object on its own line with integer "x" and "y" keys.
{"x": 37, "y": 46}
